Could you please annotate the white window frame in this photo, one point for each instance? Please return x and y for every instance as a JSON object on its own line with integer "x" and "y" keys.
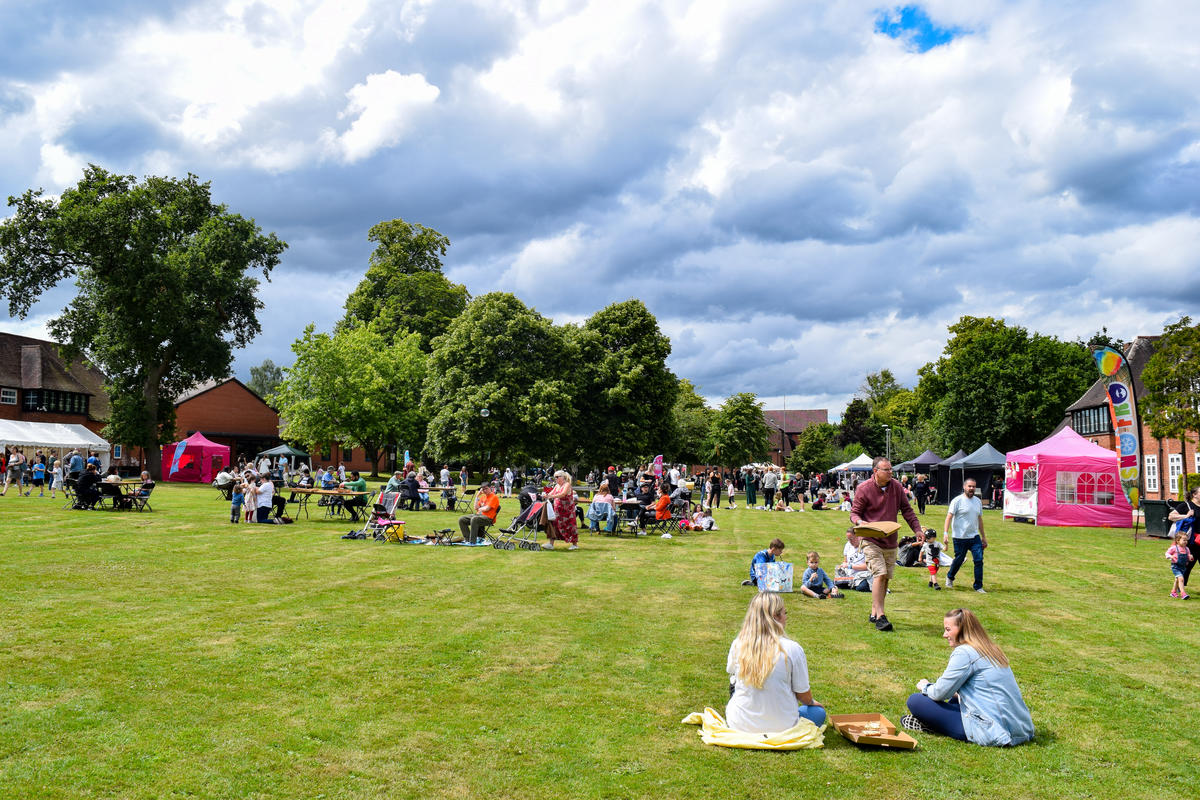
{"x": 1174, "y": 470}
{"x": 8, "y": 397}
{"x": 1064, "y": 488}
{"x": 1196, "y": 458}
{"x": 1151, "y": 474}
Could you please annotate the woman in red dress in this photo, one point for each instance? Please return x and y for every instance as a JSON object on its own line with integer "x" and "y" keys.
{"x": 562, "y": 497}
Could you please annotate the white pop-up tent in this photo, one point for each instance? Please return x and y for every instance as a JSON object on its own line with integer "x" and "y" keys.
{"x": 53, "y": 436}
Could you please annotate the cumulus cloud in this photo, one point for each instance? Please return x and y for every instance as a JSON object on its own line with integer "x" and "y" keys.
{"x": 385, "y": 107}
{"x": 802, "y": 194}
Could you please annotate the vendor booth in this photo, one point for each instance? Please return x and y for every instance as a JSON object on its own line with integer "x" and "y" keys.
{"x": 194, "y": 460}
{"x": 981, "y": 466}
{"x": 939, "y": 478}
{"x": 921, "y": 464}
{"x": 56, "y": 436}
{"x": 1066, "y": 480}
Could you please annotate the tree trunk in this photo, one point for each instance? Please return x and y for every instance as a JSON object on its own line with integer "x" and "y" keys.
{"x": 150, "y": 393}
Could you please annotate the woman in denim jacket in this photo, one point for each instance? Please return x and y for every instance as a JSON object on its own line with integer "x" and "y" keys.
{"x": 976, "y": 699}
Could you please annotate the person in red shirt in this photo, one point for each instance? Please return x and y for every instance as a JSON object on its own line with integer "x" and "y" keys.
{"x": 662, "y": 506}
{"x": 878, "y": 500}
{"x": 487, "y": 506}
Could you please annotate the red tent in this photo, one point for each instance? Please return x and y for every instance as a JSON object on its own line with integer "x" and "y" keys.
{"x": 195, "y": 459}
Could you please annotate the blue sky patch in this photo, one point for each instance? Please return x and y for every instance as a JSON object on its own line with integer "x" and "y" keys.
{"x": 914, "y": 26}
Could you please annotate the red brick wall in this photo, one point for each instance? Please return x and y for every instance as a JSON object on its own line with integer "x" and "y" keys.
{"x": 227, "y": 408}
{"x": 1160, "y": 449}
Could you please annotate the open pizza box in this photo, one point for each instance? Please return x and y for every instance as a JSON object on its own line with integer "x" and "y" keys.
{"x": 872, "y": 729}
{"x": 876, "y": 530}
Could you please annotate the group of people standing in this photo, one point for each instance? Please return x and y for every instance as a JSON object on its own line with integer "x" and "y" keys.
{"x": 41, "y": 471}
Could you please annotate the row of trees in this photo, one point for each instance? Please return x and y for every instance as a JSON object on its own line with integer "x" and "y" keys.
{"x": 418, "y": 364}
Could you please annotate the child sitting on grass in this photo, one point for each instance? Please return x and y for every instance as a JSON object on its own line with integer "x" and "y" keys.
{"x": 774, "y": 550}
{"x": 815, "y": 582}
{"x": 1179, "y": 556}
{"x": 931, "y": 554}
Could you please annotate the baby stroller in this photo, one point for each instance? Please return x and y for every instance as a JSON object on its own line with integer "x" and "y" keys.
{"x": 522, "y": 531}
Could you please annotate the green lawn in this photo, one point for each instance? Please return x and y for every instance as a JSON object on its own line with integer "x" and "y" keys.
{"x": 171, "y": 654}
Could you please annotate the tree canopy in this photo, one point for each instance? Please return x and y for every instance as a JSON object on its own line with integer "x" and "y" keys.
{"x": 404, "y": 290}
{"x": 690, "y": 420}
{"x": 626, "y": 394}
{"x": 165, "y": 283}
{"x": 353, "y": 387}
{"x": 737, "y": 434}
{"x": 814, "y": 449}
{"x": 265, "y": 377}
{"x": 1171, "y": 405}
{"x": 1000, "y": 384}
{"x": 505, "y": 358}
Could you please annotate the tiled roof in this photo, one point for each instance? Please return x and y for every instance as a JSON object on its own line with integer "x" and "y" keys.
{"x": 794, "y": 421}
{"x": 27, "y": 363}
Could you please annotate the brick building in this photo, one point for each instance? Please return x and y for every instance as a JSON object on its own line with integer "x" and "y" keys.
{"x": 1163, "y": 460}
{"x": 784, "y": 427}
{"x": 38, "y": 385}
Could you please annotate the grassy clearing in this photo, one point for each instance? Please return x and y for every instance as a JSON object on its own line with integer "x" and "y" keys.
{"x": 175, "y": 655}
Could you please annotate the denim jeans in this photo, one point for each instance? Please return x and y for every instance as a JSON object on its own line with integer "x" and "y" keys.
{"x": 815, "y": 714}
{"x": 937, "y": 717}
{"x": 974, "y": 546}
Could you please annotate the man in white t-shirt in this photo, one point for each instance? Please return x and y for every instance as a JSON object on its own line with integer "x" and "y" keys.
{"x": 673, "y": 476}
{"x": 263, "y": 498}
{"x": 965, "y": 520}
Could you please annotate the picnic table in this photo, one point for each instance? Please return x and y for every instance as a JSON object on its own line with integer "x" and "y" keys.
{"x": 332, "y": 499}
{"x": 120, "y": 495}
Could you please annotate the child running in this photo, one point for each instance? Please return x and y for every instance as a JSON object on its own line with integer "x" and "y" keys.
{"x": 815, "y": 582}
{"x": 931, "y": 554}
{"x": 774, "y": 550}
{"x": 732, "y": 490}
{"x": 39, "y": 477}
{"x": 1179, "y": 556}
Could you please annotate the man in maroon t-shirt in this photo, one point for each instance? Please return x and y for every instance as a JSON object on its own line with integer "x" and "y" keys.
{"x": 878, "y": 500}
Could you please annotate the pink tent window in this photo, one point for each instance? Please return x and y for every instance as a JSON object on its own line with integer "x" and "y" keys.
{"x": 1085, "y": 489}
{"x": 1106, "y": 489}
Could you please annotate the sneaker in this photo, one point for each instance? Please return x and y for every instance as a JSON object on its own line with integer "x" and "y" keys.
{"x": 1175, "y": 594}
{"x": 882, "y": 624}
{"x": 1185, "y": 597}
{"x": 641, "y": 533}
{"x": 981, "y": 590}
{"x": 931, "y": 584}
{"x": 937, "y": 587}
{"x": 871, "y": 619}
{"x": 667, "y": 536}
{"x": 911, "y": 723}
{"x": 547, "y": 546}
{"x": 751, "y": 583}
{"x": 949, "y": 583}
{"x": 573, "y": 547}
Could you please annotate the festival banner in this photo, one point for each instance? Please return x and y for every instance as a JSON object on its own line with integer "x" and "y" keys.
{"x": 179, "y": 448}
{"x": 658, "y": 464}
{"x": 1122, "y": 409}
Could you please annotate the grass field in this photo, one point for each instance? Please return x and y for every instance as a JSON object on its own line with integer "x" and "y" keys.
{"x": 171, "y": 654}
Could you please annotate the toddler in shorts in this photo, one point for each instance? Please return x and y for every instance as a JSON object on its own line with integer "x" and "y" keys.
{"x": 1179, "y": 556}
{"x": 931, "y": 553}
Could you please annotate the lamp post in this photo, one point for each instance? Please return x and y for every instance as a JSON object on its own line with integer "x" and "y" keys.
{"x": 887, "y": 432}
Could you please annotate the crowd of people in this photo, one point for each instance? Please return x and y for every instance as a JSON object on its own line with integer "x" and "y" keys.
{"x": 43, "y": 472}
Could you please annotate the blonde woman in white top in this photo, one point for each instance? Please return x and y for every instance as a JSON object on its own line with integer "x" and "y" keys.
{"x": 768, "y": 673}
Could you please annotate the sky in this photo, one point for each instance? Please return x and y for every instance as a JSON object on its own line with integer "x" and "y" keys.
{"x": 802, "y": 193}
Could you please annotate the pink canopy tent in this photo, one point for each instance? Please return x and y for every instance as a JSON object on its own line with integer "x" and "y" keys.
{"x": 1066, "y": 480}
{"x": 195, "y": 459}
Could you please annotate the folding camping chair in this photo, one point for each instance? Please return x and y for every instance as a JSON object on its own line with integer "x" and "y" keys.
{"x": 141, "y": 501}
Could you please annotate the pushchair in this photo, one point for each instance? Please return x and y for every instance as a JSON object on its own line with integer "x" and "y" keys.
{"x": 381, "y": 523}
{"x": 523, "y": 530}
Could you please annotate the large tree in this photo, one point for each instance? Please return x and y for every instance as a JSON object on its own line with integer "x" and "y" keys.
{"x": 265, "y": 377}
{"x": 814, "y": 449}
{"x": 690, "y": 420}
{"x": 1000, "y": 384}
{"x": 626, "y": 393}
{"x": 1171, "y": 405}
{"x": 737, "y": 434}
{"x": 879, "y": 388}
{"x": 356, "y": 388}
{"x": 404, "y": 290}
{"x": 501, "y": 381}
{"x": 166, "y": 287}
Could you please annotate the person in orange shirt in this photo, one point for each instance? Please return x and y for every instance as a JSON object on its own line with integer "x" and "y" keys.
{"x": 487, "y": 506}
{"x": 662, "y": 506}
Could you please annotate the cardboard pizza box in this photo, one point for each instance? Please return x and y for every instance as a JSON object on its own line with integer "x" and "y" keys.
{"x": 872, "y": 729}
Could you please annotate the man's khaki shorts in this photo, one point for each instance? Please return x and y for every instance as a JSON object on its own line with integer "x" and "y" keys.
{"x": 880, "y": 560}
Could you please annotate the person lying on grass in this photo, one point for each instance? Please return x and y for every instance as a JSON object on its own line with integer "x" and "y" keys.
{"x": 769, "y": 689}
{"x": 977, "y": 698}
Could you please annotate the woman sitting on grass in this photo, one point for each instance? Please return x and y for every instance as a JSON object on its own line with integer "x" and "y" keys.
{"x": 976, "y": 699}
{"x": 769, "y": 673}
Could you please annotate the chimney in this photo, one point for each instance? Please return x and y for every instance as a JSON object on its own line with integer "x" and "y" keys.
{"x": 31, "y": 366}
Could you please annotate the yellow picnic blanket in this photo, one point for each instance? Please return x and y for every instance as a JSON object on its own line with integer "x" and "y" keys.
{"x": 713, "y": 730}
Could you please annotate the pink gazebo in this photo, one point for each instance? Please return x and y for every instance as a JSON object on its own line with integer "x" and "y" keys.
{"x": 1066, "y": 480}
{"x": 195, "y": 459}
